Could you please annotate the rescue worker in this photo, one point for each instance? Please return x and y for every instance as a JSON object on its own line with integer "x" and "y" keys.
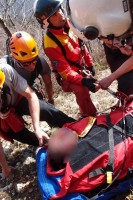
{"x": 68, "y": 55}
{"x": 11, "y": 124}
{"x": 6, "y": 169}
{"x": 18, "y": 99}
{"x": 29, "y": 65}
{"x": 8, "y": 119}
{"x": 112, "y": 22}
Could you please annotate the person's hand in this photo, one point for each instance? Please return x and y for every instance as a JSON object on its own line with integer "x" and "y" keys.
{"x": 105, "y": 82}
{"x": 42, "y": 136}
{"x": 7, "y": 171}
{"x": 127, "y": 50}
{"x": 90, "y": 83}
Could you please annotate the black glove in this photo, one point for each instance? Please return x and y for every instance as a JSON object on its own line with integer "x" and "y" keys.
{"x": 92, "y": 70}
{"x": 89, "y": 82}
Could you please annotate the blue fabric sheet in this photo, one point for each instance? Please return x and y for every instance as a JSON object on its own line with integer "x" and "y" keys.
{"x": 49, "y": 184}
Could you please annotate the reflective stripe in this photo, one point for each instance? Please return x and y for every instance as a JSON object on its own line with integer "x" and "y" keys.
{"x": 88, "y": 127}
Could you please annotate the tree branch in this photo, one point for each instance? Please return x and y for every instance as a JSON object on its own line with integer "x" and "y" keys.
{"x": 5, "y": 28}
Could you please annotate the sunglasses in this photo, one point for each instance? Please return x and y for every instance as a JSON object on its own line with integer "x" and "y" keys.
{"x": 28, "y": 63}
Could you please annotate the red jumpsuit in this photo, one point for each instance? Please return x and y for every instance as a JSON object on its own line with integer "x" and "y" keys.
{"x": 71, "y": 78}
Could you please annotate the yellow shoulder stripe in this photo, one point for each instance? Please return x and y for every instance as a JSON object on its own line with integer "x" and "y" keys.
{"x": 49, "y": 43}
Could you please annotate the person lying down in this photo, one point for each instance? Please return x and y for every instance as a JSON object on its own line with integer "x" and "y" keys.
{"x": 87, "y": 160}
{"x": 66, "y": 145}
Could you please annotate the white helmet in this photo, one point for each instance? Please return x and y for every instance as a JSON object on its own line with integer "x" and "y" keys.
{"x": 90, "y": 19}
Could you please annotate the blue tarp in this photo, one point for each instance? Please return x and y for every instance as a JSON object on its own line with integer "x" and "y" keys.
{"x": 49, "y": 184}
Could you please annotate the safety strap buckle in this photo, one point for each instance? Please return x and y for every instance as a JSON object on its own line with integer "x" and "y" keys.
{"x": 109, "y": 176}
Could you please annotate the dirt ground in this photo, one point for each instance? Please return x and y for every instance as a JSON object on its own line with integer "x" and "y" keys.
{"x": 23, "y": 184}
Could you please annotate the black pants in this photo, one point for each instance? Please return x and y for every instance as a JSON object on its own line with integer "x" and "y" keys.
{"x": 48, "y": 113}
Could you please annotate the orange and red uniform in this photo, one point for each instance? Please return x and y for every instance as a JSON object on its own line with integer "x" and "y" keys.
{"x": 71, "y": 78}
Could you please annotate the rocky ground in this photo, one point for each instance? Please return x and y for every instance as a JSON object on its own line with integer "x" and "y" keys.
{"x": 23, "y": 184}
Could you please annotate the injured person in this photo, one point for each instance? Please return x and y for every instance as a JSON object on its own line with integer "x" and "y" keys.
{"x": 92, "y": 152}
{"x": 62, "y": 142}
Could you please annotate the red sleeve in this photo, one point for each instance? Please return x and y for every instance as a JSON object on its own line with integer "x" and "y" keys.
{"x": 60, "y": 64}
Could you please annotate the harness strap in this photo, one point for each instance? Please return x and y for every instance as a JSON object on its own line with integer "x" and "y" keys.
{"x": 110, "y": 164}
{"x": 119, "y": 129}
{"x": 54, "y": 38}
{"x": 4, "y": 108}
{"x": 96, "y": 172}
{"x": 36, "y": 72}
